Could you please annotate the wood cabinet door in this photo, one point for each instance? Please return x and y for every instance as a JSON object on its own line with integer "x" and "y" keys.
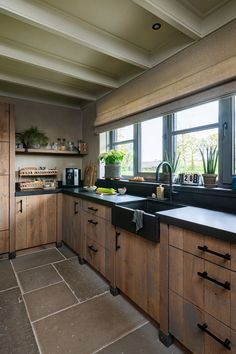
{"x": 4, "y": 203}
{"x": 4, "y": 121}
{"x": 4, "y": 158}
{"x": 21, "y": 223}
{"x": 137, "y": 271}
{"x": 41, "y": 219}
{"x": 71, "y": 221}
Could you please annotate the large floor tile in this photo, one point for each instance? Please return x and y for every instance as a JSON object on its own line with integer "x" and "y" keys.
{"x": 36, "y": 259}
{"x": 87, "y": 326}
{"x": 142, "y": 341}
{"x": 67, "y": 252}
{"x": 38, "y": 277}
{"x": 7, "y": 276}
{"x": 48, "y": 300}
{"x": 16, "y": 335}
{"x": 82, "y": 279}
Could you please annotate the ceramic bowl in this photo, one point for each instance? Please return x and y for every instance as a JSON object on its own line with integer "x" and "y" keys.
{"x": 90, "y": 188}
{"x": 122, "y": 190}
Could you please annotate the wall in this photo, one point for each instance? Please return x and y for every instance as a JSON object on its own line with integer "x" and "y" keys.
{"x": 89, "y": 116}
{"x": 205, "y": 64}
{"x": 56, "y": 122}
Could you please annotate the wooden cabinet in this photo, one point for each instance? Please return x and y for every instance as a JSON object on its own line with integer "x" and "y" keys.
{"x": 201, "y": 291}
{"x": 99, "y": 238}
{"x": 137, "y": 271}
{"x": 37, "y": 220}
{"x": 7, "y": 177}
{"x": 72, "y": 217}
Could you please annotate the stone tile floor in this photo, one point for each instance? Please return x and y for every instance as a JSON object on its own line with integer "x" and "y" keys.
{"x": 50, "y": 304}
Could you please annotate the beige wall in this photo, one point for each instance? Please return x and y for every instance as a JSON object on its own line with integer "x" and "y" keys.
{"x": 56, "y": 122}
{"x": 205, "y": 64}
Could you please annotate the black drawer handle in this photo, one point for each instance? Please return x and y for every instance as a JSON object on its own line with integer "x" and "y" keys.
{"x": 93, "y": 222}
{"x": 75, "y": 207}
{"x": 225, "y": 285}
{"x": 93, "y": 209}
{"x": 204, "y": 248}
{"x": 117, "y": 235}
{"x": 93, "y": 249}
{"x": 226, "y": 343}
{"x": 21, "y": 206}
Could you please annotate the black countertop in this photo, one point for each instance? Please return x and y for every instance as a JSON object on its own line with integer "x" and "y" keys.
{"x": 209, "y": 222}
{"x": 107, "y": 200}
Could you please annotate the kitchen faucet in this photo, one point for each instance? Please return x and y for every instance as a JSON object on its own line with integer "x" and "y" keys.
{"x": 165, "y": 163}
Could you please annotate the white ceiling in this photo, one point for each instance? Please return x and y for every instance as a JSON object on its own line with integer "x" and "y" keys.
{"x": 72, "y": 52}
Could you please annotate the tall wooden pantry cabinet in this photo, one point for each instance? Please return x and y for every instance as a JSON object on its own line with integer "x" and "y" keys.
{"x": 7, "y": 178}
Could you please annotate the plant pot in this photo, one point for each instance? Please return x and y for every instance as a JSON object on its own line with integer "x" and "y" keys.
{"x": 113, "y": 171}
{"x": 209, "y": 180}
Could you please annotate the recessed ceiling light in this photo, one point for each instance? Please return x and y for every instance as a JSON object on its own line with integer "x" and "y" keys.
{"x": 156, "y": 26}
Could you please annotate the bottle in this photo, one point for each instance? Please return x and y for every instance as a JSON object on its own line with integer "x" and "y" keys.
{"x": 160, "y": 192}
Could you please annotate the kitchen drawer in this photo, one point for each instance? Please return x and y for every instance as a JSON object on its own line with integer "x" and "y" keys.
{"x": 209, "y": 248}
{"x": 96, "y": 256}
{"x": 98, "y": 229}
{"x": 97, "y": 209}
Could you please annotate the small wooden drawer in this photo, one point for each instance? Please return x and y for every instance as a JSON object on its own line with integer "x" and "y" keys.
{"x": 98, "y": 229}
{"x": 96, "y": 256}
{"x": 97, "y": 209}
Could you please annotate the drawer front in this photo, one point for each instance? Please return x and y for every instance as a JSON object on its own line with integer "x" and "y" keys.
{"x": 97, "y": 210}
{"x": 95, "y": 255}
{"x": 94, "y": 228}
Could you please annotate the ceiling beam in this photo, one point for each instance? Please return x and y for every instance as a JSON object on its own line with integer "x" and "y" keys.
{"x": 25, "y": 54}
{"x": 46, "y": 86}
{"x": 175, "y": 14}
{"x": 55, "y": 21}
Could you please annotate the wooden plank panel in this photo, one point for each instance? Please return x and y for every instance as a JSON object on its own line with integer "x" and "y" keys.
{"x": 220, "y": 246}
{"x": 4, "y": 202}
{"x": 4, "y": 158}
{"x": 50, "y": 218}
{"x": 4, "y": 241}
{"x": 97, "y": 257}
{"x": 99, "y": 210}
{"x": 21, "y": 223}
{"x": 176, "y": 270}
{"x": 193, "y": 337}
{"x": 4, "y": 121}
{"x": 219, "y": 330}
{"x": 176, "y": 236}
{"x": 164, "y": 278}
{"x": 12, "y": 178}
{"x": 59, "y": 217}
{"x": 233, "y": 300}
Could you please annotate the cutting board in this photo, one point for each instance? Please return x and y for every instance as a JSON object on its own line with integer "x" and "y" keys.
{"x": 90, "y": 175}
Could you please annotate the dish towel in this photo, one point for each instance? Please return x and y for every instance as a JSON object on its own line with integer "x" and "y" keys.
{"x": 138, "y": 219}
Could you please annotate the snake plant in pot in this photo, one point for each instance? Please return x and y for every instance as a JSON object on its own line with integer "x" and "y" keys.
{"x": 209, "y": 159}
{"x": 112, "y": 160}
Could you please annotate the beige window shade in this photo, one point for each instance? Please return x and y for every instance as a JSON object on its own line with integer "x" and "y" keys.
{"x": 220, "y": 91}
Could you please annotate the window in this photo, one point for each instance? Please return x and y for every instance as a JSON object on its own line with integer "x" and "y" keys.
{"x": 151, "y": 145}
{"x": 183, "y": 132}
{"x": 194, "y": 129}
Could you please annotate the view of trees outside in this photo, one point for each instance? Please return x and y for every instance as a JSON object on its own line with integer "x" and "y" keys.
{"x": 122, "y": 135}
{"x": 151, "y": 144}
{"x": 188, "y": 144}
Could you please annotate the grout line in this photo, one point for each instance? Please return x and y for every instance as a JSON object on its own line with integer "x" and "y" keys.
{"x": 26, "y": 309}
{"x": 4, "y": 259}
{"x": 33, "y": 252}
{"x": 94, "y": 297}
{"x": 54, "y": 313}
{"x": 40, "y": 266}
{"x": 13, "y": 287}
{"x": 66, "y": 283}
{"x": 120, "y": 337}
{"x": 61, "y": 253}
{"x": 42, "y": 287}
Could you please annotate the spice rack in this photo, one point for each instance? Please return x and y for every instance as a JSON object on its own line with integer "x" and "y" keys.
{"x": 40, "y": 182}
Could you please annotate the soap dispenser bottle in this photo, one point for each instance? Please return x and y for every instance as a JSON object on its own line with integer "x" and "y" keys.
{"x": 160, "y": 192}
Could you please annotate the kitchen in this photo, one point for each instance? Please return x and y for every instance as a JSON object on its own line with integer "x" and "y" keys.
{"x": 77, "y": 274}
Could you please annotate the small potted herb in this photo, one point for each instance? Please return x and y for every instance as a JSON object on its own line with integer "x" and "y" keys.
{"x": 112, "y": 160}
{"x": 209, "y": 159}
{"x": 33, "y": 138}
{"x": 173, "y": 161}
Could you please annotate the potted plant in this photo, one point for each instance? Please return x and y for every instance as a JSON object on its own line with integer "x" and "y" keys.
{"x": 112, "y": 160}
{"x": 33, "y": 138}
{"x": 173, "y": 161}
{"x": 209, "y": 159}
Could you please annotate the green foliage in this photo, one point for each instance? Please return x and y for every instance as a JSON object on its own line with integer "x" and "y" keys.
{"x": 174, "y": 161}
{"x": 209, "y": 159}
{"x": 32, "y": 137}
{"x": 112, "y": 157}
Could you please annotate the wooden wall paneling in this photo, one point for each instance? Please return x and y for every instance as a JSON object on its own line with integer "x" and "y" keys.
{"x": 4, "y": 202}
{"x": 164, "y": 279}
{"x": 21, "y": 223}
{"x": 4, "y": 121}
{"x": 4, "y": 159}
{"x": 12, "y": 179}
{"x": 4, "y": 241}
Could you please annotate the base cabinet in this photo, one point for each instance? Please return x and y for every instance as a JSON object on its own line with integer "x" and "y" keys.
{"x": 36, "y": 220}
{"x": 71, "y": 223}
{"x": 137, "y": 271}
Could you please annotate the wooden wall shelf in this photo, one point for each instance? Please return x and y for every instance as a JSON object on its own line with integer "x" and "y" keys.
{"x": 49, "y": 152}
